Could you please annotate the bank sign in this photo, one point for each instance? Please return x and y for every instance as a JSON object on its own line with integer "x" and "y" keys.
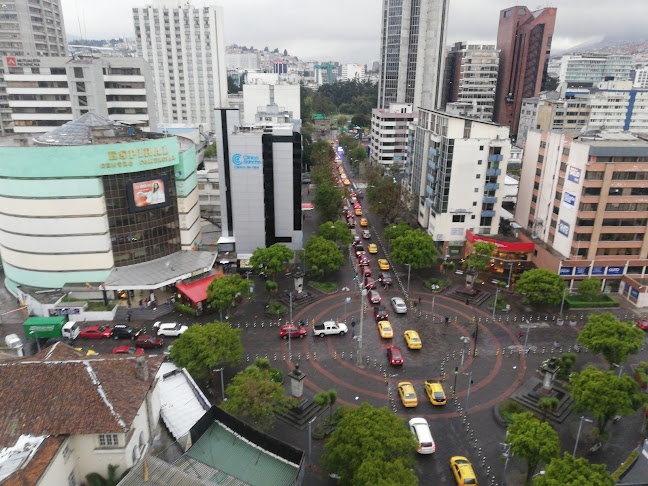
{"x": 563, "y": 228}
{"x": 569, "y": 200}
{"x": 574, "y": 174}
{"x": 242, "y": 161}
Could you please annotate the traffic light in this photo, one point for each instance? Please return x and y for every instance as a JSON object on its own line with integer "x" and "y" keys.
{"x": 355, "y": 277}
{"x": 456, "y": 370}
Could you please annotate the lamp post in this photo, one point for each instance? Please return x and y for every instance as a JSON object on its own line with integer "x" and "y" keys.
{"x": 469, "y": 375}
{"x": 465, "y": 340}
{"x": 620, "y": 367}
{"x": 310, "y": 436}
{"x": 495, "y": 303}
{"x": 508, "y": 284}
{"x": 563, "y": 300}
{"x": 476, "y": 336}
{"x": 359, "y": 337}
{"x": 346, "y": 301}
{"x": 526, "y": 337}
{"x": 409, "y": 268}
{"x": 580, "y": 425}
{"x": 222, "y": 384}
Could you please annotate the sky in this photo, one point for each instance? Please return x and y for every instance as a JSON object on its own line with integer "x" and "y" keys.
{"x": 349, "y": 31}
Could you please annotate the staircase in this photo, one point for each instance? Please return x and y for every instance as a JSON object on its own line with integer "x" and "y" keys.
{"x": 146, "y": 314}
{"x": 299, "y": 416}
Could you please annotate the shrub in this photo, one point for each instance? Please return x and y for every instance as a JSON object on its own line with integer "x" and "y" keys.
{"x": 508, "y": 409}
{"x": 324, "y": 286}
{"x": 617, "y": 474}
{"x": 449, "y": 265}
{"x": 187, "y": 309}
{"x": 271, "y": 286}
{"x": 501, "y": 303}
{"x": 276, "y": 308}
{"x": 582, "y": 301}
{"x": 436, "y": 284}
{"x": 501, "y": 284}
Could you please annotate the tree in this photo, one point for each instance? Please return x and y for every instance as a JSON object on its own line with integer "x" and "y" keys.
{"x": 396, "y": 230}
{"x": 322, "y": 255}
{"x": 232, "y": 86}
{"x": 590, "y": 287}
{"x": 551, "y": 84}
{"x": 615, "y": 340}
{"x": 532, "y": 440}
{"x": 328, "y": 201}
{"x": 371, "y": 444}
{"x": 480, "y": 258}
{"x": 322, "y": 104}
{"x": 540, "y": 286}
{"x": 605, "y": 395}
{"x": 357, "y": 155}
{"x": 568, "y": 471}
{"x": 415, "y": 248}
{"x": 224, "y": 291}
{"x": 210, "y": 150}
{"x": 255, "y": 397}
{"x": 201, "y": 348}
{"x": 271, "y": 260}
{"x": 338, "y": 232}
{"x": 360, "y": 120}
{"x": 547, "y": 404}
{"x": 342, "y": 121}
{"x": 326, "y": 399}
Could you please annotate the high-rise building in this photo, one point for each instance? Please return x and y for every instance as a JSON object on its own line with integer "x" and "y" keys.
{"x": 589, "y": 69}
{"x": 641, "y": 78}
{"x": 185, "y": 47}
{"x": 27, "y": 28}
{"x": 389, "y": 134}
{"x": 524, "y": 39}
{"x": 352, "y": 72}
{"x": 412, "y": 52}
{"x": 471, "y": 78}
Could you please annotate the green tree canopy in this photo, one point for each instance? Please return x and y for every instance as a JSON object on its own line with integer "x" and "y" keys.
{"x": 540, "y": 286}
{"x": 614, "y": 339}
{"x": 322, "y": 255}
{"x": 232, "y": 86}
{"x": 357, "y": 155}
{"x": 326, "y": 399}
{"x": 547, "y": 404}
{"x": 396, "y": 230}
{"x": 480, "y": 258}
{"x": 271, "y": 260}
{"x": 338, "y": 232}
{"x": 567, "y": 471}
{"x": 371, "y": 446}
{"x": 360, "y": 120}
{"x": 201, "y": 348}
{"x": 328, "y": 201}
{"x": 224, "y": 290}
{"x": 388, "y": 199}
{"x": 605, "y": 395}
{"x": 415, "y": 248}
{"x": 589, "y": 287}
{"x": 254, "y": 397}
{"x": 532, "y": 440}
{"x": 342, "y": 121}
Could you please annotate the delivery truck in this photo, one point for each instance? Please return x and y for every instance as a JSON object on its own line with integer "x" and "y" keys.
{"x": 51, "y": 327}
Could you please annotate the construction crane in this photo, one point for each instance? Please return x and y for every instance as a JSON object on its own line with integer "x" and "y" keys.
{"x": 329, "y": 72}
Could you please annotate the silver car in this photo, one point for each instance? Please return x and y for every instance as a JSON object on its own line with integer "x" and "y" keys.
{"x": 399, "y": 305}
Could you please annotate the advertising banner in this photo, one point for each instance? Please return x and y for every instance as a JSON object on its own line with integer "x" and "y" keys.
{"x": 145, "y": 194}
{"x": 573, "y": 174}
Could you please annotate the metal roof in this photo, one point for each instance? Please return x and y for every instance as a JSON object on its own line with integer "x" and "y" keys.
{"x": 77, "y": 132}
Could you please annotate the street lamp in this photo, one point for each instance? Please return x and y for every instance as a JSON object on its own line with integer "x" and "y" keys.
{"x": 508, "y": 284}
{"x": 346, "y": 301}
{"x": 469, "y": 375}
{"x": 409, "y": 268}
{"x": 359, "y": 337}
{"x": 222, "y": 384}
{"x": 620, "y": 367}
{"x": 580, "y": 425}
{"x": 562, "y": 304}
{"x": 310, "y": 435}
{"x": 465, "y": 340}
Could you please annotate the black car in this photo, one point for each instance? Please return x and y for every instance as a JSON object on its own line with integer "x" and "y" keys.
{"x": 385, "y": 278}
{"x": 356, "y": 240}
{"x": 380, "y": 313}
{"x": 122, "y": 331}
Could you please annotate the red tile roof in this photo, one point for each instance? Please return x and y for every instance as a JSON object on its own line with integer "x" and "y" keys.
{"x": 30, "y": 475}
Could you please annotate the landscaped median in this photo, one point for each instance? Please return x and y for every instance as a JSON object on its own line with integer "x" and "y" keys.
{"x": 588, "y": 301}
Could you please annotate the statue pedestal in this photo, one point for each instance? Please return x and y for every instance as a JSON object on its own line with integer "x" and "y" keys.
{"x": 296, "y": 382}
{"x": 550, "y": 368}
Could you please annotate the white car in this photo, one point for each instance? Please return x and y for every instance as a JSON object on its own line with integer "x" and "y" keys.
{"x": 399, "y": 305}
{"x": 171, "y": 329}
{"x": 421, "y": 431}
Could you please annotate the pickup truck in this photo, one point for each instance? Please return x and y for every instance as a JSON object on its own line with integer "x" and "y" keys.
{"x": 329, "y": 327}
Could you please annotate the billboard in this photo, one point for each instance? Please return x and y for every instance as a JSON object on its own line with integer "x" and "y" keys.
{"x": 574, "y": 174}
{"x": 147, "y": 193}
{"x": 569, "y": 200}
{"x": 563, "y": 228}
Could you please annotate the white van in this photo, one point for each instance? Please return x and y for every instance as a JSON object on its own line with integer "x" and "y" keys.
{"x": 421, "y": 431}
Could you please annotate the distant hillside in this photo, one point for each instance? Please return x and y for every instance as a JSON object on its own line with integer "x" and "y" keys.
{"x": 608, "y": 45}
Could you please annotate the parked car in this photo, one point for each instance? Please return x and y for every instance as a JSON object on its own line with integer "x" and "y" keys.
{"x": 292, "y": 331}
{"x": 421, "y": 431}
{"x": 170, "y": 329}
{"x": 643, "y": 325}
{"x": 407, "y": 394}
{"x": 96, "y": 332}
{"x": 122, "y": 331}
{"x": 374, "y": 297}
{"x": 394, "y": 355}
{"x": 127, "y": 350}
{"x": 149, "y": 342}
{"x": 399, "y": 305}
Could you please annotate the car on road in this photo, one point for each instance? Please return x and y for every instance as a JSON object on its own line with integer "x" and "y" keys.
{"x": 127, "y": 350}
{"x": 380, "y": 313}
{"x": 292, "y": 331}
{"x": 364, "y": 222}
{"x": 357, "y": 205}
{"x": 346, "y": 182}
{"x": 435, "y": 392}
{"x": 356, "y": 240}
{"x": 423, "y": 435}
{"x": 463, "y": 471}
{"x": 413, "y": 340}
{"x": 169, "y": 329}
{"x": 359, "y": 250}
{"x": 366, "y": 234}
{"x": 374, "y": 297}
{"x": 353, "y": 194}
{"x": 373, "y": 248}
{"x": 399, "y": 305}
{"x": 369, "y": 283}
{"x": 394, "y": 355}
{"x": 96, "y": 332}
{"x": 407, "y": 394}
{"x": 385, "y": 278}
{"x": 149, "y": 342}
{"x": 363, "y": 260}
{"x": 354, "y": 200}
{"x": 383, "y": 264}
{"x": 122, "y": 331}
{"x": 351, "y": 223}
{"x": 349, "y": 215}
{"x": 643, "y": 325}
{"x": 365, "y": 272}
{"x": 358, "y": 211}
{"x": 385, "y": 330}
{"x": 86, "y": 352}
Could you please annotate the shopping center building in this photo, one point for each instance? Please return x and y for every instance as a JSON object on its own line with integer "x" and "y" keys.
{"x": 97, "y": 203}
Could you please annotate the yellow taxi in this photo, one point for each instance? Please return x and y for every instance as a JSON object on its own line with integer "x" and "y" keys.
{"x": 87, "y": 352}
{"x": 341, "y": 170}
{"x": 364, "y": 222}
{"x": 346, "y": 182}
{"x": 413, "y": 340}
{"x": 385, "y": 330}
{"x": 435, "y": 393}
{"x": 407, "y": 394}
{"x": 382, "y": 263}
{"x": 463, "y": 471}
{"x": 358, "y": 211}
{"x": 373, "y": 248}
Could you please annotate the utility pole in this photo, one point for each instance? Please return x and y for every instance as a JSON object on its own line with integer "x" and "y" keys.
{"x": 476, "y": 336}
{"x": 580, "y": 425}
{"x": 469, "y": 375}
{"x": 562, "y": 304}
{"x": 409, "y": 268}
{"x": 508, "y": 284}
{"x": 363, "y": 294}
{"x": 495, "y": 303}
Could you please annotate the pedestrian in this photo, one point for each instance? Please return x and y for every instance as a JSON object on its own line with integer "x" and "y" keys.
{"x": 520, "y": 334}
{"x": 419, "y": 300}
{"x": 141, "y": 304}
{"x": 447, "y": 321}
{"x": 128, "y": 317}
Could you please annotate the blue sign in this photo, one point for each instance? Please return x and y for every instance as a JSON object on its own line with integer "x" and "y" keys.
{"x": 569, "y": 200}
{"x": 598, "y": 270}
{"x": 626, "y": 287}
{"x": 563, "y": 228}
{"x": 615, "y": 271}
{"x": 241, "y": 161}
{"x": 634, "y": 293}
{"x": 566, "y": 270}
{"x": 581, "y": 270}
{"x": 574, "y": 174}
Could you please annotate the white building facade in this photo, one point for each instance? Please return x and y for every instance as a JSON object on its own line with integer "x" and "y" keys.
{"x": 185, "y": 48}
{"x": 389, "y": 134}
{"x": 352, "y": 72}
{"x": 257, "y": 96}
{"x": 590, "y": 69}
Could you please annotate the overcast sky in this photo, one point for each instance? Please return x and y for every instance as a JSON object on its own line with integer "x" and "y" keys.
{"x": 348, "y": 30}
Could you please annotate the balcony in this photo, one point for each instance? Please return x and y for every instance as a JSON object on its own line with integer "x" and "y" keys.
{"x": 491, "y": 186}
{"x": 495, "y": 158}
{"x": 493, "y": 172}
{"x": 432, "y": 151}
{"x": 430, "y": 178}
{"x": 487, "y": 214}
{"x": 431, "y": 165}
{"x": 408, "y": 171}
{"x": 428, "y": 203}
{"x": 490, "y": 200}
{"x": 429, "y": 191}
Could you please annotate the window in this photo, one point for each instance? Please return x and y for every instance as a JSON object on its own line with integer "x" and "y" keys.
{"x": 474, "y": 203}
{"x": 67, "y": 452}
{"x": 458, "y": 218}
{"x": 479, "y": 162}
{"x": 78, "y": 72}
{"x": 108, "y": 440}
{"x": 476, "y": 189}
{"x": 72, "y": 480}
{"x": 478, "y": 176}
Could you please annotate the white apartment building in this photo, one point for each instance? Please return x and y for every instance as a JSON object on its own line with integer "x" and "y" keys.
{"x": 641, "y": 78}
{"x": 185, "y": 47}
{"x": 27, "y": 28}
{"x": 47, "y": 92}
{"x": 352, "y": 71}
{"x": 589, "y": 69}
{"x": 389, "y": 134}
{"x": 248, "y": 61}
{"x": 617, "y": 106}
{"x": 459, "y": 165}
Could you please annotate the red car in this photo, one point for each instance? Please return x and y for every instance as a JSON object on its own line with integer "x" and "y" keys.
{"x": 127, "y": 350}
{"x": 96, "y": 332}
{"x": 149, "y": 342}
{"x": 363, "y": 260}
{"x": 643, "y": 325}
{"x": 292, "y": 331}
{"x": 370, "y": 283}
{"x": 353, "y": 194}
{"x": 394, "y": 355}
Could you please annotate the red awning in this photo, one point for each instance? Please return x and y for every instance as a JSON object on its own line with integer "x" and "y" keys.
{"x": 197, "y": 291}
{"x": 307, "y": 206}
{"x": 501, "y": 245}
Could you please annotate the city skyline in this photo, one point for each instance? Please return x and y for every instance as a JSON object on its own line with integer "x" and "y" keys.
{"x": 350, "y": 32}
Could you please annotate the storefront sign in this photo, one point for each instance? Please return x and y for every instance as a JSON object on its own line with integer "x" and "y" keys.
{"x": 634, "y": 293}
{"x": 563, "y": 228}
{"x": 614, "y": 270}
{"x": 566, "y": 270}
{"x": 500, "y": 245}
{"x": 241, "y": 161}
{"x": 569, "y": 200}
{"x": 574, "y": 174}
{"x": 141, "y": 156}
{"x": 581, "y": 270}
{"x": 23, "y": 62}
{"x": 598, "y": 270}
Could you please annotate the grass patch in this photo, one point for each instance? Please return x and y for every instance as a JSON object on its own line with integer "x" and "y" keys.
{"x": 98, "y": 306}
{"x": 508, "y": 409}
{"x": 584, "y": 301}
{"x": 275, "y": 308}
{"x": 501, "y": 303}
{"x": 437, "y": 284}
{"x": 324, "y": 286}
